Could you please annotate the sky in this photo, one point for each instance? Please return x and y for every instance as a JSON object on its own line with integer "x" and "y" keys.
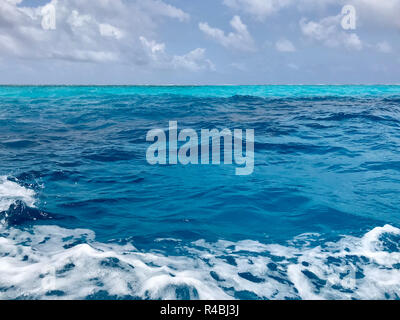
{"x": 199, "y": 42}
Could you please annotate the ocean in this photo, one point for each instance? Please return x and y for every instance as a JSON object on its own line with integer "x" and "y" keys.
{"x": 83, "y": 215}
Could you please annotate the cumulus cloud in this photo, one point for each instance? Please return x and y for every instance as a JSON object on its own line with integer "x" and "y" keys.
{"x": 239, "y": 39}
{"x": 153, "y": 47}
{"x": 328, "y": 32}
{"x": 284, "y": 45}
{"x": 371, "y": 12}
{"x": 105, "y": 32}
{"x": 193, "y": 61}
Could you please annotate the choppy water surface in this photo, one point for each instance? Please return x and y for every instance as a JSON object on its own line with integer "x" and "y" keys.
{"x": 83, "y": 215}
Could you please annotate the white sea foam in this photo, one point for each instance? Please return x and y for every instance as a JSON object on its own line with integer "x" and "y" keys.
{"x": 52, "y": 262}
{"x": 11, "y": 191}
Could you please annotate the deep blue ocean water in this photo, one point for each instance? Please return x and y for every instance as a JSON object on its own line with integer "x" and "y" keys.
{"x": 84, "y": 216}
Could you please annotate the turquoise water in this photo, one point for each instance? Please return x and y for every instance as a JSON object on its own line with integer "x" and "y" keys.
{"x": 290, "y": 91}
{"x": 83, "y": 215}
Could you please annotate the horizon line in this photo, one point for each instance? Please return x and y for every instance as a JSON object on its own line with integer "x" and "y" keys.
{"x": 194, "y": 85}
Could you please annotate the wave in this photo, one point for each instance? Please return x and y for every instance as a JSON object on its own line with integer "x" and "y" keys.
{"x": 11, "y": 191}
{"x": 50, "y": 262}
{"x": 17, "y": 204}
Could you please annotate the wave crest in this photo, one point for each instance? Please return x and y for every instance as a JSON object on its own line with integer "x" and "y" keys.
{"x": 11, "y": 191}
{"x": 17, "y": 204}
{"x": 52, "y": 262}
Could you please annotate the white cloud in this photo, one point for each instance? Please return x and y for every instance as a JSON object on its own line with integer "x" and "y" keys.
{"x": 371, "y": 12}
{"x": 161, "y": 8}
{"x": 153, "y": 47}
{"x": 193, "y": 61}
{"x": 352, "y": 41}
{"x": 86, "y": 56}
{"x": 240, "y": 39}
{"x": 76, "y": 20}
{"x": 109, "y": 31}
{"x": 328, "y": 32}
{"x": 284, "y": 45}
